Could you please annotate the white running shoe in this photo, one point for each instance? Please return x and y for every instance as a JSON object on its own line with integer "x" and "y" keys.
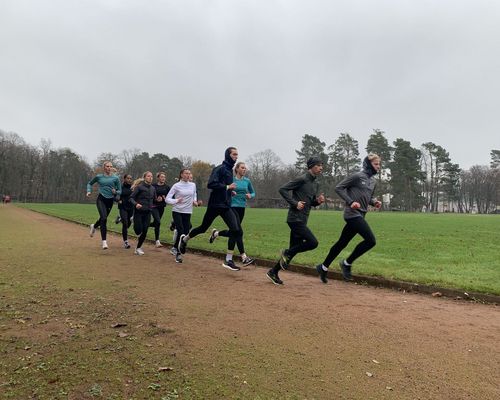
{"x": 139, "y": 251}
{"x": 104, "y": 245}
{"x": 158, "y": 244}
{"x": 92, "y": 230}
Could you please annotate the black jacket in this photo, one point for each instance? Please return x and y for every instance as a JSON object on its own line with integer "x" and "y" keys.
{"x": 125, "y": 197}
{"x": 304, "y": 188}
{"x": 144, "y": 195}
{"x": 220, "y": 178}
{"x": 161, "y": 190}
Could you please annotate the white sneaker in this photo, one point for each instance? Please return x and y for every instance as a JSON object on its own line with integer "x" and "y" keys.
{"x": 139, "y": 251}
{"x": 104, "y": 245}
{"x": 92, "y": 230}
{"x": 158, "y": 244}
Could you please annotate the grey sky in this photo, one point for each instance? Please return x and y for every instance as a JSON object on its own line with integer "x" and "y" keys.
{"x": 193, "y": 77}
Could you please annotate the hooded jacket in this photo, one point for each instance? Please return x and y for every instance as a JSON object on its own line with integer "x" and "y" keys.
{"x": 304, "y": 188}
{"x": 220, "y": 178}
{"x": 358, "y": 187}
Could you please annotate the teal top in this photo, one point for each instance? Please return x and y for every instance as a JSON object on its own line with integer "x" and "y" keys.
{"x": 106, "y": 184}
{"x": 243, "y": 186}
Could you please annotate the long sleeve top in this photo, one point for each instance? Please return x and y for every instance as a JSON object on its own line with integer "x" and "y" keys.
{"x": 186, "y": 191}
{"x": 243, "y": 186}
{"x": 304, "y": 188}
{"x": 220, "y": 178}
{"x": 144, "y": 195}
{"x": 106, "y": 184}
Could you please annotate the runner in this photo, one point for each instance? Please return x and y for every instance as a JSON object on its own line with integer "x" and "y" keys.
{"x": 126, "y": 208}
{"x": 142, "y": 197}
{"x": 158, "y": 209}
{"x": 219, "y": 204}
{"x": 183, "y": 197}
{"x": 357, "y": 192}
{"x": 109, "y": 187}
{"x": 243, "y": 192}
{"x": 304, "y": 196}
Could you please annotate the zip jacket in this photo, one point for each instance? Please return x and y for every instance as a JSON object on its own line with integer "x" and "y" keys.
{"x": 304, "y": 188}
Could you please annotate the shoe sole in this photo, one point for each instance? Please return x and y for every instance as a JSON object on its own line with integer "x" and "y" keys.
{"x": 182, "y": 245}
{"x": 248, "y": 263}
{"x": 273, "y": 281}
{"x": 212, "y": 238}
{"x": 230, "y": 268}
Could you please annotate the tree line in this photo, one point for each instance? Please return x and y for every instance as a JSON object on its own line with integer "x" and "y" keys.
{"x": 412, "y": 179}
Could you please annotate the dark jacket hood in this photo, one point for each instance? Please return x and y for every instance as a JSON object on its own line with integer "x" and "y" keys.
{"x": 368, "y": 167}
{"x": 228, "y": 161}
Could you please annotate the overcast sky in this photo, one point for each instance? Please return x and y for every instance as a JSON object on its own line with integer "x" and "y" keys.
{"x": 191, "y": 77}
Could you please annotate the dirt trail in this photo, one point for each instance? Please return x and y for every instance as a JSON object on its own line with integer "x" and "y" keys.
{"x": 302, "y": 340}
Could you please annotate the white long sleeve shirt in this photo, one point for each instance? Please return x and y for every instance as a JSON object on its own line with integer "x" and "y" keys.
{"x": 185, "y": 191}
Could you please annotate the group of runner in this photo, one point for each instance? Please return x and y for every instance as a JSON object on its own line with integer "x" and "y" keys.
{"x": 142, "y": 199}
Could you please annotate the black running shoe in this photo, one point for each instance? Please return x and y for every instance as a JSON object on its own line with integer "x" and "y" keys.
{"x": 229, "y": 264}
{"x": 284, "y": 260}
{"x": 213, "y": 236}
{"x": 172, "y": 226}
{"x": 182, "y": 244}
{"x": 346, "y": 271}
{"x": 178, "y": 258}
{"x": 322, "y": 273}
{"x": 274, "y": 277}
{"x": 248, "y": 261}
{"x": 118, "y": 220}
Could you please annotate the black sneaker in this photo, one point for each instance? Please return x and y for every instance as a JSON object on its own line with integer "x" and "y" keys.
{"x": 248, "y": 261}
{"x": 118, "y": 220}
{"x": 172, "y": 226}
{"x": 274, "y": 277}
{"x": 126, "y": 245}
{"x": 213, "y": 236}
{"x": 229, "y": 264}
{"x": 182, "y": 244}
{"x": 178, "y": 258}
{"x": 284, "y": 260}
{"x": 322, "y": 273}
{"x": 346, "y": 271}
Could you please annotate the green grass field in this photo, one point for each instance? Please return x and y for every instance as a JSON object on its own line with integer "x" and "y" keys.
{"x": 449, "y": 250}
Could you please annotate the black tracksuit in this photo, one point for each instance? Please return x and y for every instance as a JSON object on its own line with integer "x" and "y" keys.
{"x": 358, "y": 187}
{"x": 159, "y": 207}
{"x": 144, "y": 195}
{"x": 304, "y": 188}
{"x": 219, "y": 202}
{"x": 126, "y": 209}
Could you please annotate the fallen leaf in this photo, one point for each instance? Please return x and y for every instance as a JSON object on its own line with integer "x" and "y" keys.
{"x": 388, "y": 388}
{"x": 165, "y": 369}
{"x": 122, "y": 334}
{"x": 375, "y": 361}
{"x": 118, "y": 325}
{"x": 369, "y": 374}
{"x": 437, "y": 294}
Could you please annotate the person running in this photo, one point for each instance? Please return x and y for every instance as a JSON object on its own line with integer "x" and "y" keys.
{"x": 357, "y": 192}
{"x": 304, "y": 196}
{"x": 125, "y": 208}
{"x": 159, "y": 204}
{"x": 219, "y": 204}
{"x": 244, "y": 191}
{"x": 109, "y": 187}
{"x": 142, "y": 197}
{"x": 183, "y": 197}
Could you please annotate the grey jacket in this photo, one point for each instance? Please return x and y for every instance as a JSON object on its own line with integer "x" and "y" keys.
{"x": 358, "y": 187}
{"x": 304, "y": 188}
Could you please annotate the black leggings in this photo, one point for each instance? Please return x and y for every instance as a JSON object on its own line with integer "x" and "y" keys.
{"x": 227, "y": 214}
{"x": 157, "y": 213}
{"x": 126, "y": 214}
{"x": 301, "y": 239}
{"x": 238, "y": 240}
{"x": 104, "y": 206}
{"x": 182, "y": 223}
{"x": 352, "y": 227}
{"x": 141, "y": 225}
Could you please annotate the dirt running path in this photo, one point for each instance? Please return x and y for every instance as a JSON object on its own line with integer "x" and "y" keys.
{"x": 302, "y": 340}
